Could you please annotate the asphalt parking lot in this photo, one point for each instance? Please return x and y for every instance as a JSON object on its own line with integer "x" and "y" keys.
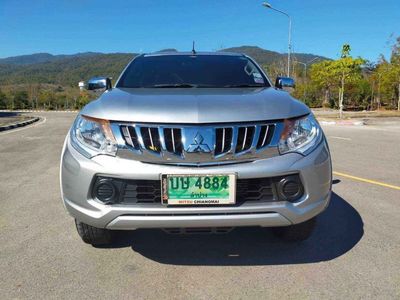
{"x": 354, "y": 253}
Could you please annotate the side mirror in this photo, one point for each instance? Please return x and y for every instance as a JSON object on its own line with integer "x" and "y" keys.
{"x": 284, "y": 82}
{"x": 98, "y": 83}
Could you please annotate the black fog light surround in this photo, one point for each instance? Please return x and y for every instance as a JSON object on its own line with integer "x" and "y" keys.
{"x": 290, "y": 188}
{"x": 105, "y": 191}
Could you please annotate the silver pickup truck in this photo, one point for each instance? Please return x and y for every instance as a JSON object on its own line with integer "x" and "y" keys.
{"x": 190, "y": 142}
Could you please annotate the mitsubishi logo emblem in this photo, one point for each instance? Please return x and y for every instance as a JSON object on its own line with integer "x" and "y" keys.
{"x": 198, "y": 145}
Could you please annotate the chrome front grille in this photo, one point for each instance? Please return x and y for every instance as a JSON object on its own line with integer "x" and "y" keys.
{"x": 223, "y": 140}
{"x": 197, "y": 144}
{"x": 130, "y": 136}
{"x": 173, "y": 140}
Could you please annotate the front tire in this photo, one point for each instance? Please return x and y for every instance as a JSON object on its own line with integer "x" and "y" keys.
{"x": 93, "y": 235}
{"x": 296, "y": 233}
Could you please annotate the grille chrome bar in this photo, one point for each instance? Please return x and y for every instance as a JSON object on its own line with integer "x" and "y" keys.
{"x": 151, "y": 138}
{"x": 223, "y": 140}
{"x": 265, "y": 136}
{"x": 197, "y": 144}
{"x": 173, "y": 140}
{"x": 161, "y": 134}
{"x": 257, "y": 132}
{"x": 138, "y": 131}
{"x": 245, "y": 138}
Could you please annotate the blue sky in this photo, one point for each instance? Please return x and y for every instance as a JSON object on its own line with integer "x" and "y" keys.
{"x": 319, "y": 27}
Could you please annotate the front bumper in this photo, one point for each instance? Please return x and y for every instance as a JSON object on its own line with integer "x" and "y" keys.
{"x": 78, "y": 172}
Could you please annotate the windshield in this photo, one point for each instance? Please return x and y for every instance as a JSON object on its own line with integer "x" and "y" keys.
{"x": 192, "y": 71}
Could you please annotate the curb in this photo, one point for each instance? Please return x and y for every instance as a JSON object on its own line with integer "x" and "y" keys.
{"x": 19, "y": 124}
{"x": 343, "y": 122}
{"x": 39, "y": 111}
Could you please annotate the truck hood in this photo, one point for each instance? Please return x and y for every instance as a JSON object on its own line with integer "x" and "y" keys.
{"x": 195, "y": 105}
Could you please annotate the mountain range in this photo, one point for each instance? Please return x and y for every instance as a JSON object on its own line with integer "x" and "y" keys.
{"x": 41, "y": 58}
{"x": 67, "y": 70}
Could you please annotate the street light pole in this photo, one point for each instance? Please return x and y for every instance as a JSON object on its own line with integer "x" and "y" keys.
{"x": 305, "y": 72}
{"x": 267, "y": 5}
{"x": 306, "y": 64}
{"x": 305, "y": 67}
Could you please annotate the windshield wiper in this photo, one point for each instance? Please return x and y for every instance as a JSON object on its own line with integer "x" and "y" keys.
{"x": 243, "y": 85}
{"x": 173, "y": 85}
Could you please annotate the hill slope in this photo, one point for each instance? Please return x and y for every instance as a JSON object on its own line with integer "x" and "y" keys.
{"x": 263, "y": 56}
{"x": 68, "y": 70}
{"x": 41, "y": 57}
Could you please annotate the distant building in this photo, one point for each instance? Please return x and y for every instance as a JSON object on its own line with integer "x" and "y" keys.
{"x": 81, "y": 85}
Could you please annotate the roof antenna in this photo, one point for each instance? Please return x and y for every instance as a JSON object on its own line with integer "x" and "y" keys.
{"x": 193, "y": 51}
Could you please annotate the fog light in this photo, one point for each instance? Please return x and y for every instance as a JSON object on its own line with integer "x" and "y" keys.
{"x": 105, "y": 191}
{"x": 290, "y": 188}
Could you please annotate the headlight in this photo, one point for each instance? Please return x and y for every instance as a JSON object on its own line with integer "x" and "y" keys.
{"x": 91, "y": 136}
{"x": 300, "y": 135}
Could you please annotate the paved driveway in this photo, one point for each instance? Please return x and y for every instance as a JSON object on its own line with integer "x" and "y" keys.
{"x": 354, "y": 253}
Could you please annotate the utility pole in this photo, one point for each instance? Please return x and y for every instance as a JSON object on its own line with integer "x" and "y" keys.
{"x": 398, "y": 102}
{"x": 267, "y": 5}
{"x": 305, "y": 72}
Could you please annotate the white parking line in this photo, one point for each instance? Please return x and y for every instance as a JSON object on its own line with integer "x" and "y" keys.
{"x": 340, "y": 138}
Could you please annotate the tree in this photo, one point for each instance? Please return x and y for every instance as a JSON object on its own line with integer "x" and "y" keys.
{"x": 3, "y": 100}
{"x": 60, "y": 101}
{"x": 45, "y": 99}
{"x": 83, "y": 99}
{"x": 395, "y": 68}
{"x": 349, "y": 70}
{"x": 330, "y": 75}
{"x": 21, "y": 99}
{"x": 387, "y": 78}
{"x": 275, "y": 69}
{"x": 345, "y": 51}
{"x": 323, "y": 77}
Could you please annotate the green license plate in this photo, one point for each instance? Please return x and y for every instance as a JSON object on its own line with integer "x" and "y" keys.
{"x": 198, "y": 189}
